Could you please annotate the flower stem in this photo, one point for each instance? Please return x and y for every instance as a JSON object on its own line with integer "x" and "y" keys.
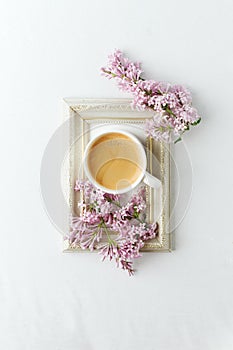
{"x": 117, "y": 204}
{"x": 111, "y": 241}
{"x": 167, "y": 109}
{"x": 141, "y": 222}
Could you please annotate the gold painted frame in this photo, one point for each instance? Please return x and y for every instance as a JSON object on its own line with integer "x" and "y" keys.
{"x": 86, "y": 114}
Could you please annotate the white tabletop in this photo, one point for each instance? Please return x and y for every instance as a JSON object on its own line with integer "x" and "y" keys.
{"x": 178, "y": 300}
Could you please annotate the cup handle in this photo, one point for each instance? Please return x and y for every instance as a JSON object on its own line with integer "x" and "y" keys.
{"x": 151, "y": 180}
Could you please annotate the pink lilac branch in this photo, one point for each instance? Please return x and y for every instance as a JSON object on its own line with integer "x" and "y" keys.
{"x": 103, "y": 213}
{"x": 172, "y": 104}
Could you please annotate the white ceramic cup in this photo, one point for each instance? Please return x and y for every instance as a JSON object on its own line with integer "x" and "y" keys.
{"x": 99, "y": 153}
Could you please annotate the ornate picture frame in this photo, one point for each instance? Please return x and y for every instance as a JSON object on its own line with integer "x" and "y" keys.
{"x": 85, "y": 117}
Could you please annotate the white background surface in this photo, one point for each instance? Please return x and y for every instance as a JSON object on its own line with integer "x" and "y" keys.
{"x": 182, "y": 300}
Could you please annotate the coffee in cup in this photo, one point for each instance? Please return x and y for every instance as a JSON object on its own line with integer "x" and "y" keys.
{"x": 115, "y": 162}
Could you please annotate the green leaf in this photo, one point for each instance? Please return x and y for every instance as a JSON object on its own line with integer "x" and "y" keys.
{"x": 196, "y": 122}
{"x": 178, "y": 140}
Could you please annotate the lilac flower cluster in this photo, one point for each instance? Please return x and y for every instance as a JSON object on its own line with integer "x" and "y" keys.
{"x": 172, "y": 104}
{"x": 108, "y": 223}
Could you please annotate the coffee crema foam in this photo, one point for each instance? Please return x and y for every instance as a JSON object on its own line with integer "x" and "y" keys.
{"x": 117, "y": 174}
{"x": 113, "y": 161}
